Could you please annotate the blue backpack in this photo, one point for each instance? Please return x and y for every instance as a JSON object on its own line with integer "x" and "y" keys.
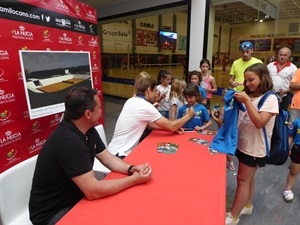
{"x": 279, "y": 151}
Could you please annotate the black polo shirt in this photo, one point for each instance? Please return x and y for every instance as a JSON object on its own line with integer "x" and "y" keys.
{"x": 67, "y": 153}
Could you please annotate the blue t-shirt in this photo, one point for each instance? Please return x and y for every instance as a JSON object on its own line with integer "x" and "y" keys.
{"x": 295, "y": 131}
{"x": 227, "y": 136}
{"x": 199, "y": 119}
{"x": 202, "y": 92}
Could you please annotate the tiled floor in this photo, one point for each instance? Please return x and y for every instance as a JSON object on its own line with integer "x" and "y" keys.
{"x": 269, "y": 205}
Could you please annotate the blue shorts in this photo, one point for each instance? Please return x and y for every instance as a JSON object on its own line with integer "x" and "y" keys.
{"x": 250, "y": 160}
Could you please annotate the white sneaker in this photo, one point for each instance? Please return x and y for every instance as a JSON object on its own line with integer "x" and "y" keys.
{"x": 246, "y": 211}
{"x": 288, "y": 195}
{"x": 230, "y": 221}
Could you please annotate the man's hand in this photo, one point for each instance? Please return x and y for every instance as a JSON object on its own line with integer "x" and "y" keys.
{"x": 190, "y": 112}
{"x": 142, "y": 173}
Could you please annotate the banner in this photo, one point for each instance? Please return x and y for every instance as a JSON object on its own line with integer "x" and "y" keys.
{"x": 54, "y": 27}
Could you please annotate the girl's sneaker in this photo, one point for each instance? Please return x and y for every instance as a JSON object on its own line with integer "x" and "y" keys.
{"x": 288, "y": 195}
{"x": 230, "y": 166}
{"x": 246, "y": 210}
{"x": 229, "y": 220}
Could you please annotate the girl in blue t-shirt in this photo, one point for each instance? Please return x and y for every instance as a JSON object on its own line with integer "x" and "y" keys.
{"x": 196, "y": 78}
{"x": 201, "y": 120}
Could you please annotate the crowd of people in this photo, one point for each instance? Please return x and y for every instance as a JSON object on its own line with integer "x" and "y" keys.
{"x": 64, "y": 169}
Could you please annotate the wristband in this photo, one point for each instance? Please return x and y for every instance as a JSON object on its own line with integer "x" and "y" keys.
{"x": 130, "y": 172}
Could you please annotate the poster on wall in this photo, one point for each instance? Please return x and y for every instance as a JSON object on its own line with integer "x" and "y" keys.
{"x": 49, "y": 75}
{"x": 46, "y": 48}
{"x": 285, "y": 42}
{"x": 146, "y": 38}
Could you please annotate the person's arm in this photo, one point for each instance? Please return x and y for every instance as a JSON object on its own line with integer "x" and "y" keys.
{"x": 213, "y": 86}
{"x": 259, "y": 119}
{"x": 173, "y": 111}
{"x": 219, "y": 119}
{"x": 94, "y": 189}
{"x": 164, "y": 124}
{"x": 294, "y": 86}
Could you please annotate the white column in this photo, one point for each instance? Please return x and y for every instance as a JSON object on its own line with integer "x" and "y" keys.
{"x": 196, "y": 33}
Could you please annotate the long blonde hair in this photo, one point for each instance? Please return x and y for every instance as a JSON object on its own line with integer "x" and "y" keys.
{"x": 140, "y": 76}
{"x": 177, "y": 87}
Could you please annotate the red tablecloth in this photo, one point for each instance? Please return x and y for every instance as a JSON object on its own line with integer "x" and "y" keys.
{"x": 186, "y": 188}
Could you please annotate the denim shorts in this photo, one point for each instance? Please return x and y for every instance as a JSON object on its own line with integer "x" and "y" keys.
{"x": 250, "y": 160}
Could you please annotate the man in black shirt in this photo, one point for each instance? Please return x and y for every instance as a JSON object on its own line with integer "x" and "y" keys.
{"x": 64, "y": 169}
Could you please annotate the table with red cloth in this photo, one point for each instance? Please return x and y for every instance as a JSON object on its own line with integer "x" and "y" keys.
{"x": 188, "y": 187}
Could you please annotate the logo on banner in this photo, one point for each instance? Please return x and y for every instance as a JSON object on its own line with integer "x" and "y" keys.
{"x": 77, "y": 9}
{"x": 26, "y": 114}
{"x": 65, "y": 39}
{"x": 43, "y": 2}
{"x": 93, "y": 42}
{"x": 4, "y": 117}
{"x": 11, "y": 154}
{"x": 92, "y": 29}
{"x": 94, "y": 55}
{"x": 63, "y": 22}
{"x": 4, "y": 55}
{"x": 46, "y": 36}
{"x": 96, "y": 80}
{"x": 95, "y": 68}
{"x": 6, "y": 97}
{"x": 9, "y": 137}
{"x": 35, "y": 126}
{"x": 78, "y": 26}
{"x": 22, "y": 33}
{"x": 37, "y": 145}
{"x": 2, "y": 78}
{"x": 55, "y": 120}
{"x": 80, "y": 40}
{"x": 45, "y": 18}
{"x": 60, "y": 5}
{"x": 90, "y": 15}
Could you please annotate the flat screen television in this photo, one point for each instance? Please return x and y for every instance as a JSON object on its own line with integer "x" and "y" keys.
{"x": 167, "y": 39}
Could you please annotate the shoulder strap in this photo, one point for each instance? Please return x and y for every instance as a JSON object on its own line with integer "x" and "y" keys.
{"x": 259, "y": 105}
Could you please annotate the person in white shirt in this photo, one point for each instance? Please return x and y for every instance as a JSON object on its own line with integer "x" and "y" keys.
{"x": 281, "y": 72}
{"x": 137, "y": 114}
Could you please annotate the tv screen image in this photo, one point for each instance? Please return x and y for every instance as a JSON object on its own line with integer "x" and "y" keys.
{"x": 167, "y": 39}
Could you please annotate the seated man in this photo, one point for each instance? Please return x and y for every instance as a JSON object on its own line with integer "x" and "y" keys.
{"x": 64, "y": 169}
{"x": 137, "y": 114}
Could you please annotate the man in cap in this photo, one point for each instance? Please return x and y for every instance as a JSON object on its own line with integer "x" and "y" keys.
{"x": 282, "y": 72}
{"x": 238, "y": 67}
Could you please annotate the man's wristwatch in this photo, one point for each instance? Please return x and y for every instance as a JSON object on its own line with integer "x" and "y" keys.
{"x": 130, "y": 171}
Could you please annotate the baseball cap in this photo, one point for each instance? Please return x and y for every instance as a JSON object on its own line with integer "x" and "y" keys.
{"x": 246, "y": 45}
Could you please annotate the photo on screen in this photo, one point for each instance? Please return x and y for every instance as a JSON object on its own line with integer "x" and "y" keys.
{"x": 49, "y": 75}
{"x": 167, "y": 39}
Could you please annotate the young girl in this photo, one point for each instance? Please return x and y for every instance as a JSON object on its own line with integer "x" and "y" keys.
{"x": 208, "y": 81}
{"x": 294, "y": 136}
{"x": 164, "y": 78}
{"x": 201, "y": 120}
{"x": 219, "y": 120}
{"x": 176, "y": 98}
{"x": 195, "y": 78}
{"x": 251, "y": 150}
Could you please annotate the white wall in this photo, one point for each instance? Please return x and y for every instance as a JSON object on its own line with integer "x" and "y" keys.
{"x": 196, "y": 33}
